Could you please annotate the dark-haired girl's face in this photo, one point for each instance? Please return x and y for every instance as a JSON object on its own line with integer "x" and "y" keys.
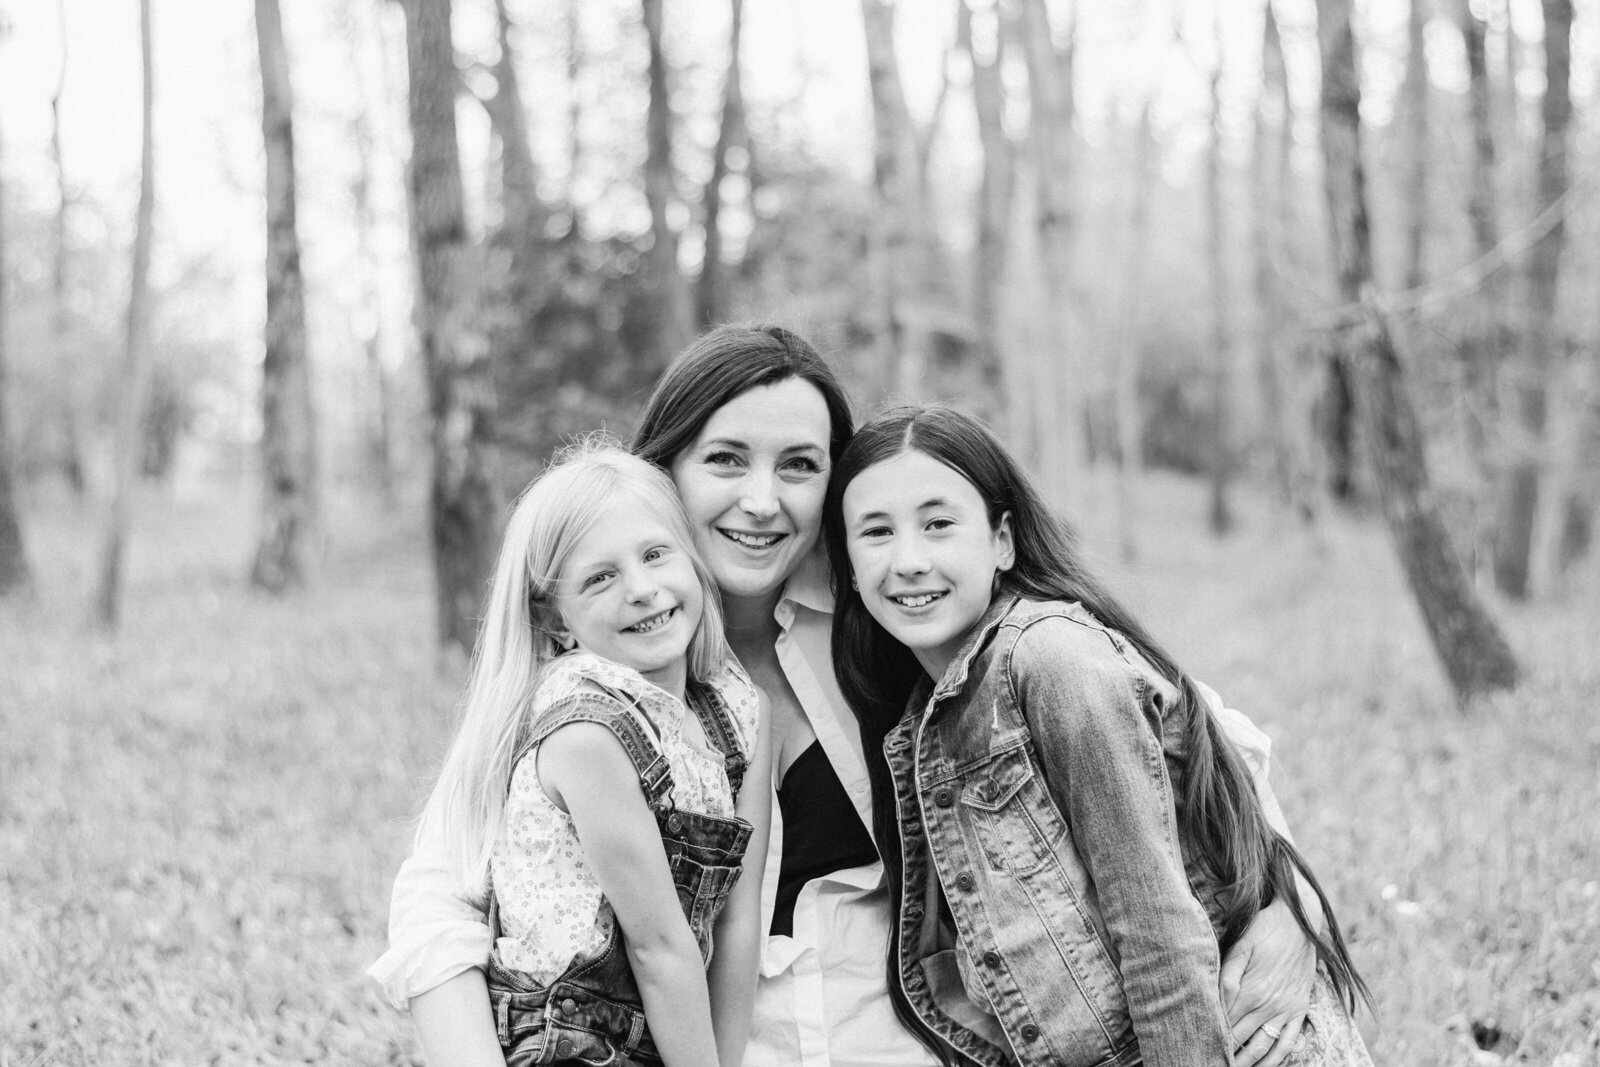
{"x": 923, "y": 553}
{"x": 752, "y": 483}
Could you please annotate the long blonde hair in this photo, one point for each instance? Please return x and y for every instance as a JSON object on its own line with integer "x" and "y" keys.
{"x": 517, "y": 638}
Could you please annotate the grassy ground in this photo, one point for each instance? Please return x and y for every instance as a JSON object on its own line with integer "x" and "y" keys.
{"x": 199, "y": 818}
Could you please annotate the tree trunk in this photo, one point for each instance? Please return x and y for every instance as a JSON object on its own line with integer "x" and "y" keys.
{"x": 1414, "y": 91}
{"x": 1579, "y": 487}
{"x": 1059, "y": 400}
{"x": 996, "y": 194}
{"x": 288, "y": 504}
{"x": 712, "y": 297}
{"x": 134, "y": 377}
{"x": 370, "y": 324}
{"x": 1219, "y": 515}
{"x": 13, "y": 556}
{"x": 464, "y": 504}
{"x": 1130, "y": 338}
{"x": 1476, "y": 657}
{"x": 62, "y": 343}
{"x": 1488, "y": 340}
{"x": 899, "y": 258}
{"x": 669, "y": 291}
{"x": 1519, "y": 500}
{"x": 1266, "y": 246}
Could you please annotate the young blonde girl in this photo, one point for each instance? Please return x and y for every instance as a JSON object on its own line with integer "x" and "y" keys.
{"x": 606, "y": 791}
{"x": 1077, "y": 841}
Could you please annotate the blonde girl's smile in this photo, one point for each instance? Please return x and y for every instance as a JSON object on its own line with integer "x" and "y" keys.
{"x": 629, "y": 593}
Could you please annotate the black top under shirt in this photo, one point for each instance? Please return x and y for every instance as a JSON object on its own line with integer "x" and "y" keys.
{"x": 822, "y": 832}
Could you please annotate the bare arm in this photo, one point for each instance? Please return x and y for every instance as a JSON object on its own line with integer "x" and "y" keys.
{"x": 585, "y": 770}
{"x": 739, "y": 937}
{"x": 454, "y": 1023}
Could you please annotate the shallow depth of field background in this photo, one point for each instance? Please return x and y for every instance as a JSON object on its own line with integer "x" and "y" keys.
{"x": 201, "y": 819}
{"x": 201, "y": 812}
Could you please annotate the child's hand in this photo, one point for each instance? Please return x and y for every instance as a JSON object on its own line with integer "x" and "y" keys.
{"x": 1266, "y": 987}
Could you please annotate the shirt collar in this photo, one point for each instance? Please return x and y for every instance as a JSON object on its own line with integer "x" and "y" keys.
{"x": 810, "y": 586}
{"x": 955, "y": 675}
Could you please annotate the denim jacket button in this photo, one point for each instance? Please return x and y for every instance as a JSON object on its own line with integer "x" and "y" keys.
{"x": 991, "y": 959}
{"x": 943, "y": 796}
{"x": 564, "y": 1048}
{"x": 674, "y": 823}
{"x": 569, "y": 1007}
{"x": 964, "y": 881}
{"x": 1030, "y": 1032}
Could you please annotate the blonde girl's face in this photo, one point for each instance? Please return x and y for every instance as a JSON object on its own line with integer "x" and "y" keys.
{"x": 923, "y": 553}
{"x": 629, "y": 593}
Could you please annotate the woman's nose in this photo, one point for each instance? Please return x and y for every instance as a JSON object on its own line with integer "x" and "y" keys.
{"x": 760, "y": 496}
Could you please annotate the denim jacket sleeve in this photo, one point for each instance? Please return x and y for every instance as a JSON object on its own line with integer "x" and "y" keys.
{"x": 1094, "y": 711}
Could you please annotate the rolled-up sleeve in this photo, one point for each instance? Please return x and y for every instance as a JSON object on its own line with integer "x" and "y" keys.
{"x": 1255, "y": 748}
{"x": 435, "y": 931}
{"x": 1090, "y": 713}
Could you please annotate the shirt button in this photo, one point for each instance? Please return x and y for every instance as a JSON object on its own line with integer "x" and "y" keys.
{"x": 943, "y": 796}
{"x": 964, "y": 881}
{"x": 569, "y": 1007}
{"x": 991, "y": 959}
{"x": 1030, "y": 1032}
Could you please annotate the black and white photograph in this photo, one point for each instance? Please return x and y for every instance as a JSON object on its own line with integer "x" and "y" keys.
{"x": 799, "y": 533}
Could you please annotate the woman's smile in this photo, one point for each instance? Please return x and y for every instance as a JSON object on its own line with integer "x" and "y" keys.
{"x": 752, "y": 484}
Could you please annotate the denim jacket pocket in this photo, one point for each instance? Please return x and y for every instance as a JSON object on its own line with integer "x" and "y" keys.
{"x": 1011, "y": 812}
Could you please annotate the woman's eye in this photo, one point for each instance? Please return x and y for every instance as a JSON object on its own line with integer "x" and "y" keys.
{"x": 722, "y": 459}
{"x": 804, "y": 465}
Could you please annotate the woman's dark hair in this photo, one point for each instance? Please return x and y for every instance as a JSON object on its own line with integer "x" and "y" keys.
{"x": 724, "y": 363}
{"x": 1221, "y": 815}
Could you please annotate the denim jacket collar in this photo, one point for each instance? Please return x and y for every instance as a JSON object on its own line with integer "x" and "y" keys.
{"x": 955, "y": 675}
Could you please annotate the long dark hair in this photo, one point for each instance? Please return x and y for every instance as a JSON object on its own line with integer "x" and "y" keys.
{"x": 1219, "y": 810}
{"x": 725, "y": 363}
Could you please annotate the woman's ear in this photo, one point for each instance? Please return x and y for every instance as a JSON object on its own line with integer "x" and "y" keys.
{"x": 1004, "y": 543}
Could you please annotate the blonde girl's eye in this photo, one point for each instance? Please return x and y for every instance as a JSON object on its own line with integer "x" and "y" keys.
{"x": 654, "y": 554}
{"x": 596, "y": 579}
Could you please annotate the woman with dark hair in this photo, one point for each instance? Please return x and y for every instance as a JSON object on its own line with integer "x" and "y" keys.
{"x": 749, "y": 422}
{"x": 1069, "y": 836}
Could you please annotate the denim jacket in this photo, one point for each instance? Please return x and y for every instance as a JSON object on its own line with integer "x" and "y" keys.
{"x": 1045, "y": 913}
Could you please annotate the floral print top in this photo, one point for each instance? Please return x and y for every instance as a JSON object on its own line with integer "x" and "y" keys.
{"x": 551, "y": 907}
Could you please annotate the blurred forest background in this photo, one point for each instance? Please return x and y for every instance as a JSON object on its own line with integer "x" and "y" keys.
{"x": 1289, "y": 304}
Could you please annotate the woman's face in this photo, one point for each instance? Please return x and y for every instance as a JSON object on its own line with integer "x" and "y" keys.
{"x": 752, "y": 484}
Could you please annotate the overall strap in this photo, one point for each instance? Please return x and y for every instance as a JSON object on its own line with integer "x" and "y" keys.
{"x": 648, "y": 760}
{"x": 717, "y": 721}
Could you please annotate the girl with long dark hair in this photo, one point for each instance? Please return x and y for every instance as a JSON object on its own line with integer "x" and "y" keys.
{"x": 1072, "y": 843}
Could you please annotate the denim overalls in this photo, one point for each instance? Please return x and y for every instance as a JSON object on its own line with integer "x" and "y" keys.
{"x": 592, "y": 1012}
